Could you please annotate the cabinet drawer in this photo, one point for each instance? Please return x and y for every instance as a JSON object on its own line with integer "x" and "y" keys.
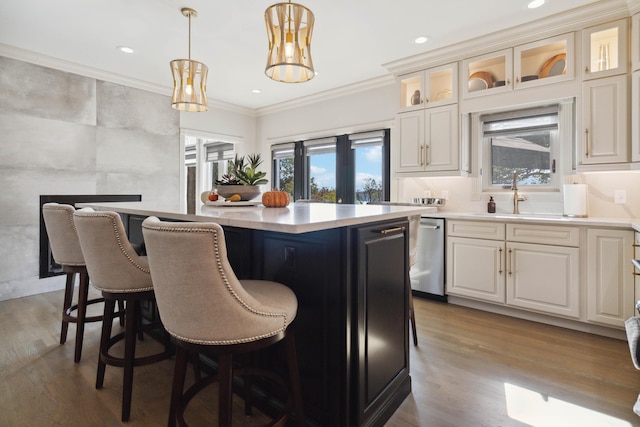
{"x": 543, "y": 234}
{"x": 476, "y": 229}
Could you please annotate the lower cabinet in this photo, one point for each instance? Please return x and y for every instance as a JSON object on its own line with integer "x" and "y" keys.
{"x": 475, "y": 268}
{"x": 510, "y": 265}
{"x": 544, "y": 278}
{"x": 610, "y": 288}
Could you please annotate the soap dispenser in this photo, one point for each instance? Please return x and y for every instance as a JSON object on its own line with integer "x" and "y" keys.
{"x": 491, "y": 206}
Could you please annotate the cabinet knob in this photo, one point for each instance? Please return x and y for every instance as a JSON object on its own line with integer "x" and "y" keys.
{"x": 517, "y": 79}
{"x": 586, "y": 69}
{"x": 508, "y": 82}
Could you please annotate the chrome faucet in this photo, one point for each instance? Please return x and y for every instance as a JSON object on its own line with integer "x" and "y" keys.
{"x": 516, "y": 197}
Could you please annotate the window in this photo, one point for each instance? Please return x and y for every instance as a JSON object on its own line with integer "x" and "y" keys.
{"x": 345, "y": 169}
{"x": 320, "y": 171}
{"x": 205, "y": 160}
{"x": 524, "y": 143}
{"x": 368, "y": 150}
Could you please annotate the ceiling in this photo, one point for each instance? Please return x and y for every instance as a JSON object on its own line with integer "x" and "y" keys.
{"x": 351, "y": 38}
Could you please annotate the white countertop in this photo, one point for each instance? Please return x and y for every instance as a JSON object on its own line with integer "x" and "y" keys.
{"x": 295, "y": 218}
{"x": 550, "y": 219}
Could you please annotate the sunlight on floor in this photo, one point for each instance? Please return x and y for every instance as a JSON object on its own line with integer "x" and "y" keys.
{"x": 537, "y": 410}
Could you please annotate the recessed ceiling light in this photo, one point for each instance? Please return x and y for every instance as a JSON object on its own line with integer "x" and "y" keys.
{"x": 422, "y": 39}
{"x": 256, "y": 91}
{"x": 125, "y": 49}
{"x": 535, "y": 3}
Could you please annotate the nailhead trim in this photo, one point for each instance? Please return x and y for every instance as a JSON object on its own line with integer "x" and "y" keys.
{"x": 229, "y": 288}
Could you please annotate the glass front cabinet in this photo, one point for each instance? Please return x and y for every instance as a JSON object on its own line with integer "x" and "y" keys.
{"x": 533, "y": 64}
{"x": 430, "y": 88}
{"x": 605, "y": 50}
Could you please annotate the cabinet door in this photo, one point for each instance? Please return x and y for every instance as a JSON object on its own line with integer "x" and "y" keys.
{"x": 382, "y": 328}
{"x": 487, "y": 74}
{"x": 441, "y": 85}
{"x": 411, "y": 146}
{"x": 442, "y": 144}
{"x": 476, "y": 269}
{"x": 544, "y": 61}
{"x": 604, "y": 112}
{"x": 412, "y": 91}
{"x": 604, "y": 50}
{"x": 610, "y": 293}
{"x": 544, "y": 278}
{"x": 635, "y": 116}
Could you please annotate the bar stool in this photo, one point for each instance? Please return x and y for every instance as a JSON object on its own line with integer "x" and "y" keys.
{"x": 208, "y": 310}
{"x": 58, "y": 220}
{"x": 122, "y": 275}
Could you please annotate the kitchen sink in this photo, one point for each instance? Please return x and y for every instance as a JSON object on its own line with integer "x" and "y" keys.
{"x": 537, "y": 216}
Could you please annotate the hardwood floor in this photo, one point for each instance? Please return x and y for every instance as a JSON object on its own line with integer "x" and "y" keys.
{"x": 471, "y": 369}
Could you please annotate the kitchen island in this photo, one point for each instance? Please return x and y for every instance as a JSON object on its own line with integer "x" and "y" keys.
{"x": 347, "y": 266}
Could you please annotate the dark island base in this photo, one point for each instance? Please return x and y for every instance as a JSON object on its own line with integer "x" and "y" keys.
{"x": 351, "y": 328}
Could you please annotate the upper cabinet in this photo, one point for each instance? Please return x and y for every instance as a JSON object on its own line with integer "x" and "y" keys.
{"x": 533, "y": 64}
{"x": 635, "y": 42}
{"x": 430, "y": 88}
{"x": 604, "y": 50}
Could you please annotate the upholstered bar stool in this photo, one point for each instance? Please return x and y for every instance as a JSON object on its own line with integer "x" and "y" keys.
{"x": 58, "y": 220}
{"x": 122, "y": 275}
{"x": 208, "y": 310}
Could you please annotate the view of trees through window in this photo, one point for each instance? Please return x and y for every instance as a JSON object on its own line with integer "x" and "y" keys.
{"x": 360, "y": 181}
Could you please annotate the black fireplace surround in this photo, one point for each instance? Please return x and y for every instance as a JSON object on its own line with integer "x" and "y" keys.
{"x": 48, "y": 266}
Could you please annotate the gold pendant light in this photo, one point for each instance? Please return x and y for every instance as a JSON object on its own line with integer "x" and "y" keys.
{"x": 189, "y": 78}
{"x": 289, "y": 28}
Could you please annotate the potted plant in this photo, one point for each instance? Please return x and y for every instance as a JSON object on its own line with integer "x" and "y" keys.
{"x": 242, "y": 178}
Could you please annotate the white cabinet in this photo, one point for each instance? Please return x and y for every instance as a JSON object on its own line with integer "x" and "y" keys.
{"x": 544, "y": 278}
{"x": 636, "y": 271}
{"x": 533, "y": 64}
{"x": 428, "y": 140}
{"x": 604, "y": 50}
{"x": 635, "y": 42}
{"x": 429, "y": 88}
{"x": 475, "y": 268}
{"x": 604, "y": 115}
{"x": 635, "y": 116}
{"x": 521, "y": 265}
{"x": 610, "y": 288}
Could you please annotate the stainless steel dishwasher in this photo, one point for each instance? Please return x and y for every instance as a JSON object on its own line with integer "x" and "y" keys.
{"x": 427, "y": 274}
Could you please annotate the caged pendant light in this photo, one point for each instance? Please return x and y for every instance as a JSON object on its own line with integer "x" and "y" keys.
{"x": 189, "y": 78}
{"x": 289, "y": 28}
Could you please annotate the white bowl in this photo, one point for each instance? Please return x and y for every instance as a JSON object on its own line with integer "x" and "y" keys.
{"x": 246, "y": 192}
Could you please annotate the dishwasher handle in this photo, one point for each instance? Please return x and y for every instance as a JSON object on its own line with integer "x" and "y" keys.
{"x": 430, "y": 227}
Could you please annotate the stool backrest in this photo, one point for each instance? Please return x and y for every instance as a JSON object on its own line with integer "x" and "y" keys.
{"x": 112, "y": 262}
{"x": 199, "y": 297}
{"x": 65, "y": 247}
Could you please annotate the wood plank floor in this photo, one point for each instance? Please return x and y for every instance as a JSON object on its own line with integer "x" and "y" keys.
{"x": 471, "y": 369}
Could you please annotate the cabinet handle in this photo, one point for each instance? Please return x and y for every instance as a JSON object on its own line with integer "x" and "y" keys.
{"x": 426, "y": 156}
{"x": 517, "y": 79}
{"x": 586, "y": 142}
{"x": 509, "y": 264}
{"x": 635, "y": 245}
{"x": 421, "y": 155}
{"x": 426, "y": 100}
{"x": 500, "y": 261}
{"x": 391, "y": 230}
{"x": 508, "y": 82}
{"x": 586, "y": 69}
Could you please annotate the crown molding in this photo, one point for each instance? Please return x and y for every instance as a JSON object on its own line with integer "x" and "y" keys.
{"x": 98, "y": 74}
{"x": 572, "y": 20}
{"x": 328, "y": 95}
{"x": 634, "y": 6}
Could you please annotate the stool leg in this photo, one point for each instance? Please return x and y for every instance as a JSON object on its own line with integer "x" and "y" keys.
{"x": 294, "y": 378}
{"x": 225, "y": 371}
{"x": 412, "y": 319}
{"x": 130, "y": 330}
{"x": 83, "y": 293}
{"x": 179, "y": 373}
{"x": 68, "y": 299}
{"x": 107, "y": 322}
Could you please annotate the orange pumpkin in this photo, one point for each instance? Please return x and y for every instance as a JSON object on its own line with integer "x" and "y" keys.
{"x": 275, "y": 198}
